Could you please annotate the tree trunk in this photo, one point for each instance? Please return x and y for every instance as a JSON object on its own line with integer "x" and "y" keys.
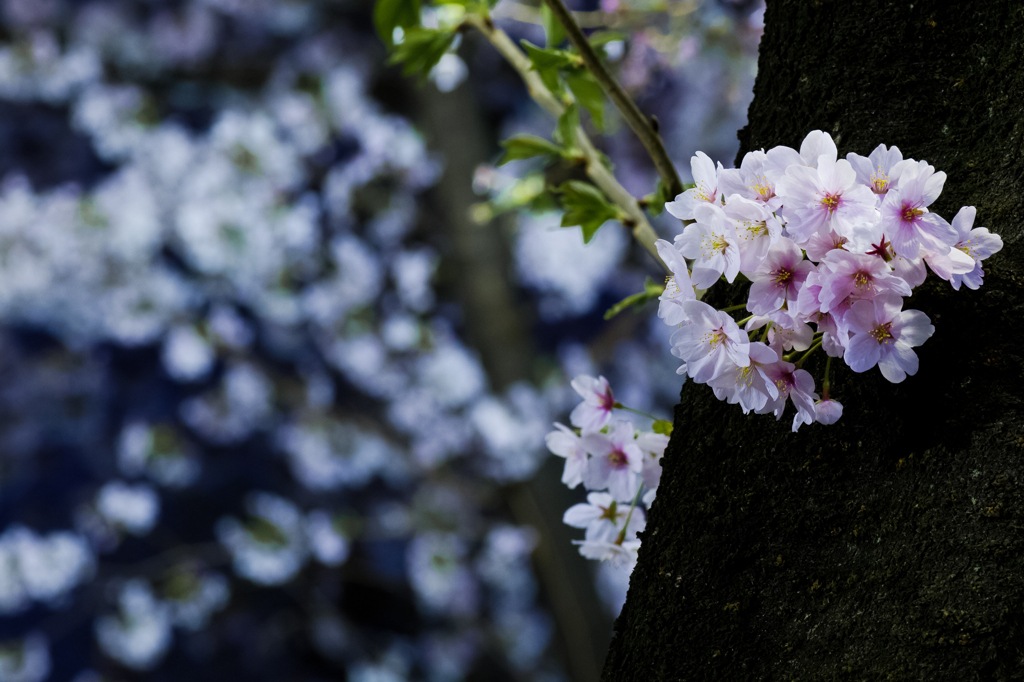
{"x": 887, "y": 546}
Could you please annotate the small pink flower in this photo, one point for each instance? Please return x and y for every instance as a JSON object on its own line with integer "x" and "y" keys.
{"x": 856, "y": 276}
{"x": 565, "y": 443}
{"x": 906, "y": 220}
{"x": 678, "y": 287}
{"x": 705, "y": 177}
{"x": 828, "y": 411}
{"x": 978, "y": 243}
{"x": 778, "y": 279}
{"x": 709, "y": 342}
{"x": 596, "y": 409}
{"x": 616, "y": 461}
{"x": 824, "y": 198}
{"x": 884, "y": 336}
{"x": 756, "y": 227}
{"x": 795, "y": 384}
{"x": 879, "y": 170}
{"x": 603, "y": 517}
{"x": 652, "y": 445}
{"x": 748, "y": 386}
{"x": 750, "y": 181}
{"x": 713, "y": 245}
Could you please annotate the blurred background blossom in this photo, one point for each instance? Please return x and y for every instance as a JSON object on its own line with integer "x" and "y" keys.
{"x": 278, "y": 348}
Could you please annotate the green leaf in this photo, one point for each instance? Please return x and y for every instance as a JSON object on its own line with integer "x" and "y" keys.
{"x": 526, "y": 147}
{"x": 588, "y": 93}
{"x": 550, "y": 58}
{"x": 651, "y": 290}
{"x": 585, "y": 206}
{"x": 553, "y": 30}
{"x": 388, "y": 14}
{"x": 656, "y": 201}
{"x": 568, "y": 123}
{"x": 663, "y": 427}
{"x": 547, "y": 62}
{"x": 421, "y": 50}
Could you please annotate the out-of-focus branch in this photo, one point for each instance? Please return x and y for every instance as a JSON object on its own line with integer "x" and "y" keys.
{"x": 595, "y": 19}
{"x": 635, "y": 119}
{"x": 596, "y": 170}
{"x": 530, "y": 15}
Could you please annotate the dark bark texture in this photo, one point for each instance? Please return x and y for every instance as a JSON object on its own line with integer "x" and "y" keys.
{"x": 889, "y": 545}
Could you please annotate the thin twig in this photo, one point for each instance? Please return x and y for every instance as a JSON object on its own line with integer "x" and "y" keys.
{"x": 635, "y": 119}
{"x": 599, "y": 174}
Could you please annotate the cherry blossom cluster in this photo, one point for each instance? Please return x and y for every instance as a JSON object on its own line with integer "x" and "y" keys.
{"x": 615, "y": 461}
{"x": 831, "y": 247}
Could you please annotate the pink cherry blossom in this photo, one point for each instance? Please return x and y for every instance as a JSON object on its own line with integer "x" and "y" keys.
{"x": 653, "y": 446}
{"x": 616, "y": 461}
{"x": 750, "y": 181}
{"x": 978, "y": 243}
{"x": 756, "y": 227}
{"x": 828, "y": 411}
{"x": 565, "y": 443}
{"x": 856, "y": 276}
{"x": 678, "y": 287}
{"x": 879, "y": 170}
{"x": 778, "y": 279}
{"x": 713, "y": 244}
{"x": 710, "y": 341}
{"x": 748, "y": 386}
{"x": 824, "y": 198}
{"x": 833, "y": 339}
{"x": 617, "y": 553}
{"x": 705, "y": 192}
{"x": 817, "y": 143}
{"x": 603, "y": 517}
{"x": 788, "y": 331}
{"x": 823, "y": 242}
{"x": 906, "y": 220}
{"x": 598, "y": 402}
{"x": 795, "y": 384}
{"x": 884, "y": 336}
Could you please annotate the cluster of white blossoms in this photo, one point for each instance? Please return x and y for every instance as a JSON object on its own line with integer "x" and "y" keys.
{"x": 833, "y": 243}
{"x": 610, "y": 457}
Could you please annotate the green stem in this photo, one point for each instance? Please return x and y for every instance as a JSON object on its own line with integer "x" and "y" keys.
{"x": 826, "y": 384}
{"x": 635, "y": 119}
{"x": 803, "y": 357}
{"x": 731, "y": 308}
{"x": 740, "y": 323}
{"x": 620, "y": 406}
{"x": 601, "y": 176}
{"x": 629, "y": 516}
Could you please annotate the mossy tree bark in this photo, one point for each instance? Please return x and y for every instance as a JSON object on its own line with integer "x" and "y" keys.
{"x": 888, "y": 546}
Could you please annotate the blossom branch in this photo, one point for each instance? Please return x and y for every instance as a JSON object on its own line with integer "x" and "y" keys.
{"x": 635, "y": 119}
{"x": 635, "y": 219}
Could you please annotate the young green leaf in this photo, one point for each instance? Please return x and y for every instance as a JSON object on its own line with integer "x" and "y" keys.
{"x": 389, "y": 14}
{"x": 550, "y": 58}
{"x": 421, "y": 49}
{"x": 585, "y": 206}
{"x": 656, "y": 201}
{"x": 553, "y": 30}
{"x": 526, "y": 147}
{"x": 588, "y": 93}
{"x": 568, "y": 123}
{"x": 651, "y": 290}
{"x": 663, "y": 427}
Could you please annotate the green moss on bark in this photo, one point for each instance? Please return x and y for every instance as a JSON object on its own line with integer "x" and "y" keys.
{"x": 888, "y": 546}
